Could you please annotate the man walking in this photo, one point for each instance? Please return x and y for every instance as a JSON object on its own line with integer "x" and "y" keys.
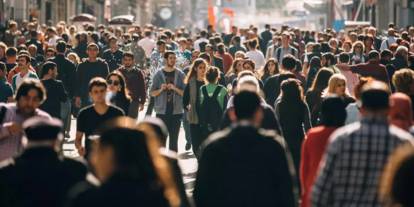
{"x": 167, "y": 89}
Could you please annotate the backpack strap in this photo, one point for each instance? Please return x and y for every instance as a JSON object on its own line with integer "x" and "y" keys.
{"x": 216, "y": 92}
{"x": 205, "y": 93}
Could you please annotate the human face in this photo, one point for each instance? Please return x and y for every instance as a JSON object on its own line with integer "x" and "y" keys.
{"x": 194, "y": 55}
{"x": 22, "y": 62}
{"x": 239, "y": 66}
{"x": 346, "y": 47}
{"x": 102, "y": 160}
{"x": 340, "y": 88}
{"x": 53, "y": 73}
{"x": 271, "y": 67}
{"x": 171, "y": 60}
{"x": 209, "y": 50}
{"x": 201, "y": 71}
{"x": 285, "y": 40}
{"x": 72, "y": 58}
{"x": 49, "y": 55}
{"x": 161, "y": 48}
{"x": 92, "y": 52}
{"x": 247, "y": 67}
{"x": 127, "y": 61}
{"x": 98, "y": 94}
{"x": 29, "y": 103}
{"x": 114, "y": 84}
{"x": 358, "y": 48}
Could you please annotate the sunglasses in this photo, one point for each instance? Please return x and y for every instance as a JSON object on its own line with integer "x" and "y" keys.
{"x": 111, "y": 82}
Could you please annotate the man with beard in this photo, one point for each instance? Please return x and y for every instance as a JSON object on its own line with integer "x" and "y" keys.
{"x": 29, "y": 97}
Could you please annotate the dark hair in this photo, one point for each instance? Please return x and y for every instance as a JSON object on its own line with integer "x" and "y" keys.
{"x": 123, "y": 94}
{"x": 49, "y": 65}
{"x": 161, "y": 42}
{"x": 98, "y": 82}
{"x": 291, "y": 91}
{"x": 147, "y": 33}
{"x": 321, "y": 80}
{"x": 375, "y": 96}
{"x": 236, "y": 39}
{"x": 344, "y": 57}
{"x": 373, "y": 55}
{"x": 289, "y": 62}
{"x": 168, "y": 53}
{"x": 221, "y": 48}
{"x": 333, "y": 113}
{"x": 246, "y": 103}
{"x": 203, "y": 33}
{"x": 205, "y": 56}
{"x": 128, "y": 54}
{"x": 61, "y": 47}
{"x": 266, "y": 67}
{"x": 386, "y": 53}
{"x": 29, "y": 84}
{"x": 249, "y": 62}
{"x": 11, "y": 51}
{"x": 212, "y": 74}
{"x": 27, "y": 57}
{"x": 253, "y": 43}
{"x": 315, "y": 62}
{"x": 330, "y": 59}
{"x": 3, "y": 68}
{"x": 92, "y": 45}
{"x": 193, "y": 69}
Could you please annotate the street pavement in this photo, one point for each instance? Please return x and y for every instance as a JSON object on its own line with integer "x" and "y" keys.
{"x": 186, "y": 159}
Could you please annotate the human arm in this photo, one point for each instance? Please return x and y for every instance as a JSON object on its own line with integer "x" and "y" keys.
{"x": 78, "y": 143}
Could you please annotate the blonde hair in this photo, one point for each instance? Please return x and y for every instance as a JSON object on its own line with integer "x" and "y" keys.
{"x": 333, "y": 83}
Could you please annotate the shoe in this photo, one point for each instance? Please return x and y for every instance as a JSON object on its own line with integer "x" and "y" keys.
{"x": 187, "y": 146}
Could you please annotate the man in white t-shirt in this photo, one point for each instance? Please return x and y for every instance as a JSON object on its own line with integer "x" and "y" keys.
{"x": 147, "y": 43}
{"x": 255, "y": 54}
{"x": 203, "y": 38}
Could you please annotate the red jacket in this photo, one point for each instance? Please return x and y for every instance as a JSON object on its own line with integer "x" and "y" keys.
{"x": 313, "y": 148}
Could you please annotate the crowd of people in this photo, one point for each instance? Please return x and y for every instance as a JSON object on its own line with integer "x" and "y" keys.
{"x": 280, "y": 117}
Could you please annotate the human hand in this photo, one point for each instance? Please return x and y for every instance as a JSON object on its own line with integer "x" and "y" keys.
{"x": 14, "y": 128}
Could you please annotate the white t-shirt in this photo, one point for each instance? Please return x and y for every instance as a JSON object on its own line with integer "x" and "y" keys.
{"x": 257, "y": 57}
{"x": 148, "y": 45}
{"x": 198, "y": 41}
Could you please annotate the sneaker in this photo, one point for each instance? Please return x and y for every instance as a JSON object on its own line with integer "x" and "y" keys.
{"x": 187, "y": 146}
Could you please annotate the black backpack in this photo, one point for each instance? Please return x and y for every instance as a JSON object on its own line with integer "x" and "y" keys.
{"x": 211, "y": 111}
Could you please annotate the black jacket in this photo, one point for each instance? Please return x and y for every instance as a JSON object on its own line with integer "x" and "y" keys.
{"x": 56, "y": 94}
{"x": 244, "y": 166}
{"x": 66, "y": 73}
{"x": 85, "y": 72}
{"x": 39, "y": 177}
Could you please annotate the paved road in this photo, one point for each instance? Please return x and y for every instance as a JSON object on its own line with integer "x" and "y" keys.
{"x": 186, "y": 160}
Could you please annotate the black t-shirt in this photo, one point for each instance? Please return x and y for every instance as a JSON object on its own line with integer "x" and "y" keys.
{"x": 169, "y": 79}
{"x": 89, "y": 121}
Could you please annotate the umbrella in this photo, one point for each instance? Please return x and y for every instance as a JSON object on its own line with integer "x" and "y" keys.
{"x": 122, "y": 19}
{"x": 83, "y": 18}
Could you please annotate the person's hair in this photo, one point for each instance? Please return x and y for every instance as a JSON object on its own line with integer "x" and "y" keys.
{"x": 375, "y": 96}
{"x": 128, "y": 54}
{"x": 76, "y": 57}
{"x": 358, "y": 87}
{"x": 321, "y": 80}
{"x": 61, "y": 47}
{"x": 221, "y": 48}
{"x": 11, "y": 51}
{"x": 137, "y": 156}
{"x": 29, "y": 84}
{"x": 373, "y": 55}
{"x": 49, "y": 65}
{"x": 386, "y": 53}
{"x": 291, "y": 91}
{"x": 124, "y": 93}
{"x": 330, "y": 59}
{"x": 194, "y": 68}
{"x": 203, "y": 33}
{"x": 315, "y": 63}
{"x": 344, "y": 57}
{"x": 234, "y": 66}
{"x": 249, "y": 62}
{"x": 98, "y": 82}
{"x": 358, "y": 43}
{"x": 205, "y": 56}
{"x": 168, "y": 53}
{"x": 90, "y": 45}
{"x": 236, "y": 39}
{"x": 266, "y": 67}
{"x": 398, "y": 178}
{"x": 212, "y": 74}
{"x": 403, "y": 80}
{"x": 27, "y": 57}
{"x": 248, "y": 79}
{"x": 333, "y": 84}
{"x": 289, "y": 62}
{"x": 147, "y": 33}
{"x": 252, "y": 43}
{"x": 161, "y": 42}
{"x": 246, "y": 104}
{"x": 333, "y": 113}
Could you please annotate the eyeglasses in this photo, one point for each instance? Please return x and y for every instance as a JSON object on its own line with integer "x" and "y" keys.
{"x": 111, "y": 82}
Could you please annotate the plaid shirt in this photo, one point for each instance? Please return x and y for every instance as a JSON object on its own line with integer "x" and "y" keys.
{"x": 11, "y": 145}
{"x": 351, "y": 169}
